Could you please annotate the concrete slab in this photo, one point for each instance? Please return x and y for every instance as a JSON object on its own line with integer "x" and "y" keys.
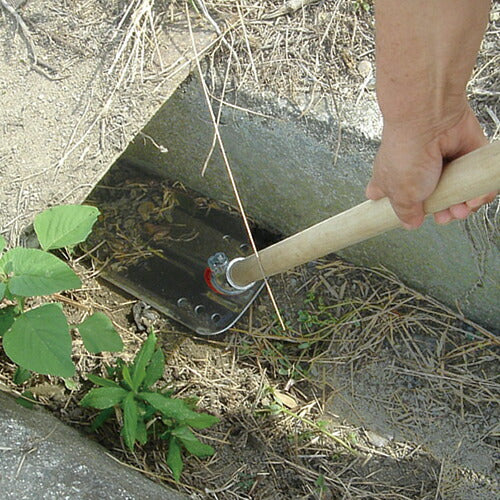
{"x": 294, "y": 170}
{"x": 41, "y": 458}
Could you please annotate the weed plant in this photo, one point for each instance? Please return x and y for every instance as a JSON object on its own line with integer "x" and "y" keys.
{"x": 147, "y": 412}
{"x": 38, "y": 338}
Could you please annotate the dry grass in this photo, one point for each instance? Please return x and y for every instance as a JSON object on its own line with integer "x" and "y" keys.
{"x": 312, "y": 50}
{"x": 277, "y": 437}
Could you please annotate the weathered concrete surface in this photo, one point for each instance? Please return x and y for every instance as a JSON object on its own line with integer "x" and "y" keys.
{"x": 41, "y": 458}
{"x": 293, "y": 171}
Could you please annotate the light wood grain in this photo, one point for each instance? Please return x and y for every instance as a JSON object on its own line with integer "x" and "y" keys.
{"x": 468, "y": 177}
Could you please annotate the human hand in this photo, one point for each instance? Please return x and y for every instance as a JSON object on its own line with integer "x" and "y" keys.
{"x": 410, "y": 161}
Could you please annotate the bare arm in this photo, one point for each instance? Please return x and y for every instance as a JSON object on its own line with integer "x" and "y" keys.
{"x": 426, "y": 50}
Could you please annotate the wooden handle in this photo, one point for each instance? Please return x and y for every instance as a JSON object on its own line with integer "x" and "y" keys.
{"x": 468, "y": 177}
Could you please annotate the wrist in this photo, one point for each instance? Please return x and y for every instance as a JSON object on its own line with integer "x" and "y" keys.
{"x": 424, "y": 115}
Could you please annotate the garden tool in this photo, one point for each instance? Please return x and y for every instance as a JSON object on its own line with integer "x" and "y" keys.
{"x": 209, "y": 281}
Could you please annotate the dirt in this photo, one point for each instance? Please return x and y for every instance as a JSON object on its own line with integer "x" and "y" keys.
{"x": 77, "y": 83}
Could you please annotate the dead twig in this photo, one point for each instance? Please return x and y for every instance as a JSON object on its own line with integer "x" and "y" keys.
{"x": 24, "y": 29}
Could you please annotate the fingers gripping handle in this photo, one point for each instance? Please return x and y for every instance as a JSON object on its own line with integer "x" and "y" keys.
{"x": 468, "y": 177}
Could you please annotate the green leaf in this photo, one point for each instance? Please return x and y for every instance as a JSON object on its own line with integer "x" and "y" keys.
{"x": 192, "y": 443}
{"x": 178, "y": 410}
{"x": 35, "y": 272}
{"x": 102, "y": 416}
{"x": 3, "y": 243}
{"x": 98, "y": 334}
{"x": 127, "y": 378}
{"x": 104, "y": 397}
{"x": 202, "y": 420}
{"x": 65, "y": 225}
{"x": 155, "y": 369}
{"x": 130, "y": 420}
{"x": 8, "y": 295}
{"x": 39, "y": 340}
{"x": 149, "y": 411}
{"x": 3, "y": 287}
{"x": 27, "y": 399}
{"x": 142, "y": 359}
{"x": 174, "y": 458}
{"x": 21, "y": 375}
{"x": 71, "y": 384}
{"x": 7, "y": 317}
{"x": 142, "y": 432}
{"x": 103, "y": 382}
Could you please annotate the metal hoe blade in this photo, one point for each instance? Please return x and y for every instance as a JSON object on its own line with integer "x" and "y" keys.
{"x": 170, "y": 276}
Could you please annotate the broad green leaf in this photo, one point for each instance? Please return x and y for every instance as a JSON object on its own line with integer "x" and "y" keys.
{"x": 178, "y": 410}
{"x": 7, "y": 317}
{"x": 21, "y": 375}
{"x": 103, "y": 382}
{"x": 192, "y": 443}
{"x": 104, "y": 397}
{"x": 155, "y": 369}
{"x": 39, "y": 340}
{"x": 98, "y": 334}
{"x": 35, "y": 272}
{"x": 65, "y": 225}
{"x": 102, "y": 416}
{"x": 3, "y": 287}
{"x": 129, "y": 420}
{"x": 174, "y": 458}
{"x": 3, "y": 243}
{"x": 142, "y": 359}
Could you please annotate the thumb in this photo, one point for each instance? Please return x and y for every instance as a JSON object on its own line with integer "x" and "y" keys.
{"x": 412, "y": 215}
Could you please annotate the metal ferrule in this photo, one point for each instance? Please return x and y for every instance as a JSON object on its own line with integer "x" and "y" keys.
{"x": 230, "y": 280}
{"x": 220, "y": 276}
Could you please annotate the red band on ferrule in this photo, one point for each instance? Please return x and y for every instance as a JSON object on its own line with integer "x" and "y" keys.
{"x": 207, "y": 274}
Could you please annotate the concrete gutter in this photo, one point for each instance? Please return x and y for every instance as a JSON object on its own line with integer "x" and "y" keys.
{"x": 41, "y": 458}
{"x": 295, "y": 169}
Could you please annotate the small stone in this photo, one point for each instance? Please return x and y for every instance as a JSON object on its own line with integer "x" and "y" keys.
{"x": 365, "y": 68}
{"x": 371, "y": 84}
{"x": 377, "y": 440}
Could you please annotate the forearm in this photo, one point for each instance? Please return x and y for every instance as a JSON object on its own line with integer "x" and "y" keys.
{"x": 426, "y": 50}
